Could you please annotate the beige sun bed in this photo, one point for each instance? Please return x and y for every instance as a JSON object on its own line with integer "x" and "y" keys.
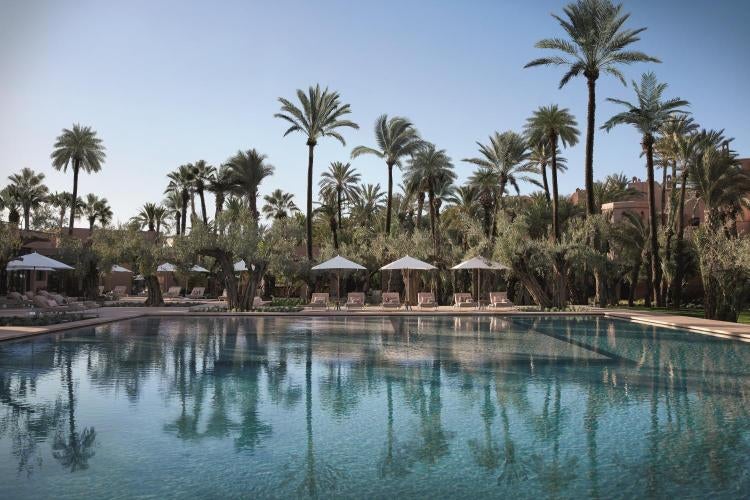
{"x": 197, "y": 292}
{"x": 319, "y": 300}
{"x": 355, "y": 300}
{"x": 425, "y": 300}
{"x": 259, "y": 302}
{"x": 499, "y": 299}
{"x": 391, "y": 300}
{"x": 463, "y": 300}
{"x": 173, "y": 292}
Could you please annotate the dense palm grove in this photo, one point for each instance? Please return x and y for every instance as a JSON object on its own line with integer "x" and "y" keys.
{"x": 559, "y": 252}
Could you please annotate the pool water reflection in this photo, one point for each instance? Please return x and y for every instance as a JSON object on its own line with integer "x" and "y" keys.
{"x": 374, "y": 407}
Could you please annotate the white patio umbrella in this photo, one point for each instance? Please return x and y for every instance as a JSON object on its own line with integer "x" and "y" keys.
{"x": 408, "y": 264}
{"x": 338, "y": 264}
{"x": 166, "y": 268}
{"x": 240, "y": 266}
{"x": 36, "y": 262}
{"x": 198, "y": 269}
{"x": 120, "y": 269}
{"x": 479, "y": 263}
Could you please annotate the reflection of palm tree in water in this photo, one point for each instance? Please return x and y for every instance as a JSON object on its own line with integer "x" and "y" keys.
{"x": 394, "y": 462}
{"x": 486, "y": 455}
{"x": 514, "y": 468}
{"x": 554, "y": 476}
{"x": 434, "y": 443}
{"x": 75, "y": 452}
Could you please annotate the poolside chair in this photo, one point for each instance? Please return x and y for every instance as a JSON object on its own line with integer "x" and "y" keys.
{"x": 223, "y": 295}
{"x": 355, "y": 300}
{"x": 391, "y": 300}
{"x": 197, "y": 292}
{"x": 259, "y": 302}
{"x": 100, "y": 290}
{"x": 119, "y": 291}
{"x": 425, "y": 300}
{"x": 463, "y": 300}
{"x": 17, "y": 299}
{"x": 83, "y": 305}
{"x": 173, "y": 292}
{"x": 48, "y": 305}
{"x": 29, "y": 295}
{"x": 319, "y": 300}
{"x": 499, "y": 299}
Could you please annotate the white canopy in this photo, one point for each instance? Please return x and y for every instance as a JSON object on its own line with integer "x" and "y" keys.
{"x": 198, "y": 269}
{"x": 166, "y": 268}
{"x": 36, "y": 262}
{"x": 240, "y": 266}
{"x": 139, "y": 277}
{"x": 479, "y": 263}
{"x": 120, "y": 269}
{"x": 407, "y": 263}
{"x": 337, "y": 263}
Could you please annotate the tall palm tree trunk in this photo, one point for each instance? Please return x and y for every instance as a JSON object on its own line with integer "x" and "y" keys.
{"x": 431, "y": 201}
{"x": 62, "y": 218}
{"x": 253, "y": 200}
{"x": 663, "y": 195}
{"x": 203, "y": 207}
{"x": 543, "y": 168}
{"x": 76, "y": 168}
{"x": 679, "y": 243}
{"x": 389, "y": 203}
{"x": 589, "y": 160}
{"x": 177, "y": 223}
{"x": 310, "y": 156}
{"x": 555, "y": 200}
{"x": 648, "y": 142}
{"x": 338, "y": 204}
{"x": 219, "y": 205}
{"x": 420, "y": 207}
{"x": 183, "y": 215}
{"x": 26, "y": 217}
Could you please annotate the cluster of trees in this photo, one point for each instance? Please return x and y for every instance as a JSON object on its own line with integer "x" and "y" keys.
{"x": 557, "y": 251}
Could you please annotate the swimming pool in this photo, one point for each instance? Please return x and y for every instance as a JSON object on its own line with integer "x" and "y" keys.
{"x": 279, "y": 407}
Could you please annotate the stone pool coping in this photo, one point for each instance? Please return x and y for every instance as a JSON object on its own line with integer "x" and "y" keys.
{"x": 721, "y": 329}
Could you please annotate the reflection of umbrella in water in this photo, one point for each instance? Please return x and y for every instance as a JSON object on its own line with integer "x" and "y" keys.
{"x": 338, "y": 264}
{"x": 408, "y": 264}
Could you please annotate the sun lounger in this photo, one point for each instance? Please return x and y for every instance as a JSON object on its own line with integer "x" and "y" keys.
{"x": 426, "y": 299}
{"x": 391, "y": 300}
{"x": 259, "y": 302}
{"x": 173, "y": 292}
{"x": 355, "y": 300}
{"x": 463, "y": 300}
{"x": 197, "y": 292}
{"x": 29, "y": 295}
{"x": 319, "y": 300}
{"x": 119, "y": 291}
{"x": 17, "y": 299}
{"x": 223, "y": 295}
{"x": 499, "y": 299}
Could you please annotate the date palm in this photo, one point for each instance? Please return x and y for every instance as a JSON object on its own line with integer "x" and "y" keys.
{"x": 435, "y": 168}
{"x": 9, "y": 202}
{"x": 62, "y": 200}
{"x": 95, "y": 208}
{"x": 368, "y": 202}
{"x": 220, "y": 185}
{"x": 397, "y": 138}
{"x": 28, "y": 189}
{"x": 540, "y": 156}
{"x": 247, "y": 169}
{"x": 203, "y": 173}
{"x": 321, "y": 115}
{"x": 466, "y": 199}
{"x": 648, "y": 115}
{"x": 340, "y": 181}
{"x": 80, "y": 149}
{"x": 173, "y": 204}
{"x": 506, "y": 154}
{"x": 558, "y": 127}
{"x": 486, "y": 181}
{"x": 182, "y": 181}
{"x": 161, "y": 218}
{"x": 279, "y": 205}
{"x": 597, "y": 43}
{"x": 615, "y": 187}
{"x": 146, "y": 217}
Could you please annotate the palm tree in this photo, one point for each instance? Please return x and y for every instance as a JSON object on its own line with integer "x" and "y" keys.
{"x": 80, "y": 148}
{"x": 340, "y": 180}
{"x": 633, "y": 234}
{"x": 434, "y": 167}
{"x": 173, "y": 204}
{"x": 203, "y": 173}
{"x": 220, "y": 184}
{"x": 368, "y": 202}
{"x": 327, "y": 211}
{"x": 320, "y": 116}
{"x": 8, "y": 201}
{"x": 597, "y": 44}
{"x": 146, "y": 216}
{"x": 279, "y": 205}
{"x": 648, "y": 116}
{"x": 247, "y": 169}
{"x": 614, "y": 187}
{"x": 540, "y": 156}
{"x": 62, "y": 201}
{"x": 96, "y": 208}
{"x": 396, "y": 138}
{"x": 466, "y": 199}
{"x": 486, "y": 181}
{"x": 28, "y": 189}
{"x": 161, "y": 218}
{"x": 506, "y": 155}
{"x": 556, "y": 125}
{"x": 182, "y": 181}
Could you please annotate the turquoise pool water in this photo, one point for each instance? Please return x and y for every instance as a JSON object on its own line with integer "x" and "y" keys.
{"x": 429, "y": 407}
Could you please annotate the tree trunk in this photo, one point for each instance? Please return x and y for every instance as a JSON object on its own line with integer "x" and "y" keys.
{"x": 338, "y": 205}
{"x": 310, "y": 155}
{"x": 663, "y": 194}
{"x": 420, "y": 207}
{"x": 62, "y": 219}
{"x": 431, "y": 202}
{"x": 219, "y": 205}
{"x": 389, "y": 202}
{"x": 334, "y": 232}
{"x": 76, "y": 169}
{"x": 648, "y": 142}
{"x": 26, "y": 217}
{"x": 203, "y": 207}
{"x": 589, "y": 160}
{"x": 177, "y": 222}
{"x": 543, "y": 168}
{"x": 154, "y": 297}
{"x": 634, "y": 275}
{"x": 183, "y": 221}
{"x": 679, "y": 242}
{"x": 555, "y": 199}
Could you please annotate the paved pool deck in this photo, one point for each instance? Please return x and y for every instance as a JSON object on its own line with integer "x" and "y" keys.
{"x": 720, "y": 329}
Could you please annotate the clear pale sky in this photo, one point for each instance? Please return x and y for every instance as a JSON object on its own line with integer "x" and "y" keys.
{"x": 170, "y": 82}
